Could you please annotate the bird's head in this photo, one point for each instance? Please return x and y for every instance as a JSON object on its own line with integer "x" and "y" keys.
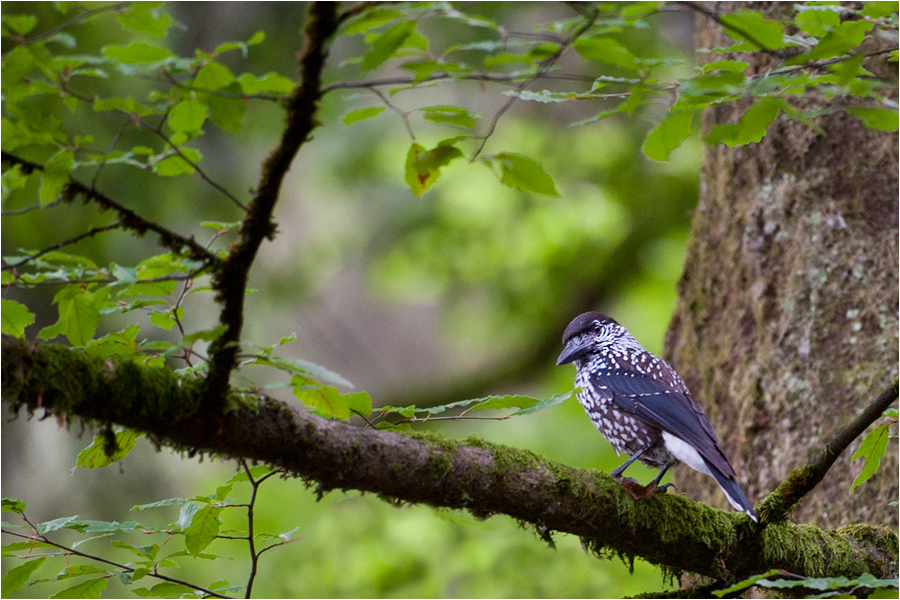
{"x": 587, "y": 333}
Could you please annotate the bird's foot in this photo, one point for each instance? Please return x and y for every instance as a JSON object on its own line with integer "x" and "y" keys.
{"x": 642, "y": 492}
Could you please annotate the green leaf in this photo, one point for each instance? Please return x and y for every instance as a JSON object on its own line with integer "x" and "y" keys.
{"x": 386, "y": 44}
{"x": 298, "y": 366}
{"x": 57, "y": 524}
{"x": 882, "y": 119}
{"x": 78, "y": 571}
{"x": 737, "y": 66}
{"x": 742, "y": 585}
{"x": 326, "y": 400}
{"x": 118, "y": 343}
{"x": 752, "y": 126}
{"x": 362, "y": 114}
{"x": 227, "y": 113}
{"x": 817, "y": 21}
{"x": 92, "y": 588}
{"x": 15, "y": 317}
{"x": 175, "y": 165}
{"x": 55, "y": 175}
{"x": 370, "y": 19}
{"x": 21, "y": 24}
{"x": 203, "y": 529}
{"x": 451, "y": 115}
{"x": 668, "y": 135}
{"x": 872, "y": 449}
{"x": 12, "y": 550}
{"x": 877, "y": 10}
{"x": 13, "y": 505}
{"x": 157, "y": 504}
{"x": 80, "y": 317}
{"x": 542, "y": 404}
{"x": 19, "y": 576}
{"x": 95, "y": 457}
{"x": 271, "y": 82}
{"x": 743, "y": 23}
{"x": 520, "y": 172}
{"x": 213, "y": 76}
{"x": 13, "y": 179}
{"x": 128, "y": 105}
{"x": 148, "y": 552}
{"x": 427, "y": 67}
{"x": 844, "y": 38}
{"x": 606, "y": 50}
{"x": 207, "y": 335}
{"x": 188, "y": 116}
{"x": 423, "y": 166}
{"x": 848, "y": 69}
{"x": 146, "y": 17}
{"x": 17, "y": 65}
{"x": 138, "y": 52}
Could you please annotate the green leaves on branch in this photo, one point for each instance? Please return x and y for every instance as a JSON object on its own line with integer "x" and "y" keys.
{"x": 423, "y": 166}
{"x": 873, "y": 448}
{"x": 758, "y": 32}
{"x": 829, "y": 587}
{"x": 668, "y": 135}
{"x": 752, "y": 125}
{"x": 520, "y": 172}
{"x": 107, "y": 449}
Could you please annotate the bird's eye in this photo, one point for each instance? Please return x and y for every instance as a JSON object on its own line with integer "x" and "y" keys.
{"x": 596, "y": 327}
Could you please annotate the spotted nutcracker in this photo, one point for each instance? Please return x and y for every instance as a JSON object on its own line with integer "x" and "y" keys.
{"x": 641, "y": 405}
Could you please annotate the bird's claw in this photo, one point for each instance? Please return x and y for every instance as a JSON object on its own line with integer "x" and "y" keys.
{"x": 642, "y": 492}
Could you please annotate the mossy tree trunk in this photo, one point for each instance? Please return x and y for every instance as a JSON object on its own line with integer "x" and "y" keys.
{"x": 786, "y": 324}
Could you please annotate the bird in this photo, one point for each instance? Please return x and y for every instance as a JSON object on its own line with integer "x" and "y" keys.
{"x": 641, "y": 405}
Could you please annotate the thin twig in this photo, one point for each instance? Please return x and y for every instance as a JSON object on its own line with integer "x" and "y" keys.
{"x": 776, "y": 507}
{"x": 544, "y": 67}
{"x": 62, "y": 244}
{"x": 28, "y": 209}
{"x": 396, "y": 109}
{"x": 697, "y": 7}
{"x": 158, "y": 131}
{"x": 86, "y": 281}
{"x": 73, "y": 21}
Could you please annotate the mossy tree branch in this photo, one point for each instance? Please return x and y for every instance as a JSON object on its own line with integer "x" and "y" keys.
{"x": 230, "y": 281}
{"x": 485, "y": 479}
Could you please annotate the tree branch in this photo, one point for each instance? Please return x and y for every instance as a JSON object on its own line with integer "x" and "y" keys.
{"x": 127, "y": 217}
{"x": 777, "y": 505}
{"x": 230, "y": 282}
{"x": 485, "y": 479}
{"x": 62, "y": 244}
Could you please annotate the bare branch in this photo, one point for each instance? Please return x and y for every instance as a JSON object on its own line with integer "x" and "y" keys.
{"x": 62, "y": 244}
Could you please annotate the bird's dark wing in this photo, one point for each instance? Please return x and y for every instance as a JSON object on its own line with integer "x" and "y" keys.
{"x": 654, "y": 402}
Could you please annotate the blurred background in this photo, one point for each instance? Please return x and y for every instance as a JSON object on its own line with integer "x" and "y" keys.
{"x": 461, "y": 293}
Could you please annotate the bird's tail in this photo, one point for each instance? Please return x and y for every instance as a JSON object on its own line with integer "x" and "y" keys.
{"x": 733, "y": 491}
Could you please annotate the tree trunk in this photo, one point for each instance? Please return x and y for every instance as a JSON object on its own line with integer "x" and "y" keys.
{"x": 786, "y": 324}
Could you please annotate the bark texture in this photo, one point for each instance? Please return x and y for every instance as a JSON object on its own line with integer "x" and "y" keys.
{"x": 786, "y": 325}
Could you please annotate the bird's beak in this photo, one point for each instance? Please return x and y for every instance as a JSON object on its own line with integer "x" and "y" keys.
{"x": 574, "y": 349}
